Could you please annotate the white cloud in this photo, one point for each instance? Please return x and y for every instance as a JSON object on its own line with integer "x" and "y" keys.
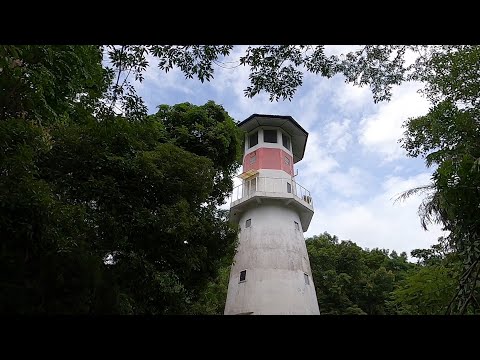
{"x": 380, "y": 132}
{"x": 378, "y": 222}
{"x": 348, "y": 98}
{"x": 323, "y": 175}
{"x": 165, "y": 81}
{"x": 340, "y": 49}
{"x": 398, "y": 168}
{"x": 306, "y": 106}
{"x": 336, "y": 135}
{"x": 348, "y": 184}
{"x": 410, "y": 57}
{"x": 316, "y": 163}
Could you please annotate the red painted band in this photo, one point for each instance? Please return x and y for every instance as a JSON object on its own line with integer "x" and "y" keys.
{"x": 268, "y": 158}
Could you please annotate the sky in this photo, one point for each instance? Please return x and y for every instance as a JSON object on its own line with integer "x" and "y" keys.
{"x": 353, "y": 165}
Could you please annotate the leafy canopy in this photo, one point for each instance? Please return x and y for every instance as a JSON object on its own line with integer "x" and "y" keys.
{"x": 448, "y": 138}
{"x": 102, "y": 213}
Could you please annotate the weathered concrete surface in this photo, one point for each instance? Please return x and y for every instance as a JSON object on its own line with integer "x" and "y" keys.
{"x": 273, "y": 252}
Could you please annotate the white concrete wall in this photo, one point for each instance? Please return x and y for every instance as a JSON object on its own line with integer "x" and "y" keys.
{"x": 274, "y": 254}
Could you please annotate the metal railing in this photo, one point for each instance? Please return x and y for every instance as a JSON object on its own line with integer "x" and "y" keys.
{"x": 270, "y": 185}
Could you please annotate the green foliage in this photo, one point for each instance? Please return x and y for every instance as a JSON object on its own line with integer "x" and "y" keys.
{"x": 350, "y": 280}
{"x": 212, "y": 300}
{"x": 268, "y": 72}
{"x": 102, "y": 213}
{"x": 449, "y": 137}
{"x": 354, "y": 281}
{"x": 114, "y": 189}
{"x": 453, "y": 75}
{"x": 191, "y": 59}
{"x": 275, "y": 69}
{"x": 436, "y": 255}
{"x": 127, "y": 60}
{"x": 426, "y": 291}
{"x": 50, "y": 83}
{"x": 278, "y": 69}
{"x": 206, "y": 131}
{"x": 45, "y": 264}
{"x": 428, "y": 288}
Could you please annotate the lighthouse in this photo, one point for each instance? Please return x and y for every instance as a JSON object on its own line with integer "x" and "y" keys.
{"x": 271, "y": 272}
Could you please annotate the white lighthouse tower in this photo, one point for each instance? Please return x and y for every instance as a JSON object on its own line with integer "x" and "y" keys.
{"x": 271, "y": 271}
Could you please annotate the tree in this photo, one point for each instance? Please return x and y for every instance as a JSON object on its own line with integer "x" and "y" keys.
{"x": 206, "y": 131}
{"x": 42, "y": 86}
{"x": 350, "y": 280}
{"x": 102, "y": 213}
{"x": 426, "y": 291}
{"x": 119, "y": 190}
{"x": 213, "y": 298}
{"x": 429, "y": 287}
{"x": 448, "y": 137}
{"x": 354, "y": 281}
{"x": 150, "y": 202}
{"x": 46, "y": 84}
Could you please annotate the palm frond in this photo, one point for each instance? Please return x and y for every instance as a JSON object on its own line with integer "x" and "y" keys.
{"x": 417, "y": 190}
{"x": 430, "y": 210}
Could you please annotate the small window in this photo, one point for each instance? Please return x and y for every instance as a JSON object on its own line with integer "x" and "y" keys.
{"x": 253, "y": 159}
{"x": 286, "y": 141}
{"x": 253, "y": 139}
{"x": 248, "y": 223}
{"x": 270, "y": 136}
{"x": 243, "y": 275}
{"x": 307, "y": 281}
{"x": 287, "y": 160}
{"x": 296, "y": 226}
{"x": 289, "y": 187}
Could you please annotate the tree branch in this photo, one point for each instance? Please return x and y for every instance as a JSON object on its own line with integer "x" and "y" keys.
{"x": 115, "y": 91}
{"x": 470, "y": 296}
